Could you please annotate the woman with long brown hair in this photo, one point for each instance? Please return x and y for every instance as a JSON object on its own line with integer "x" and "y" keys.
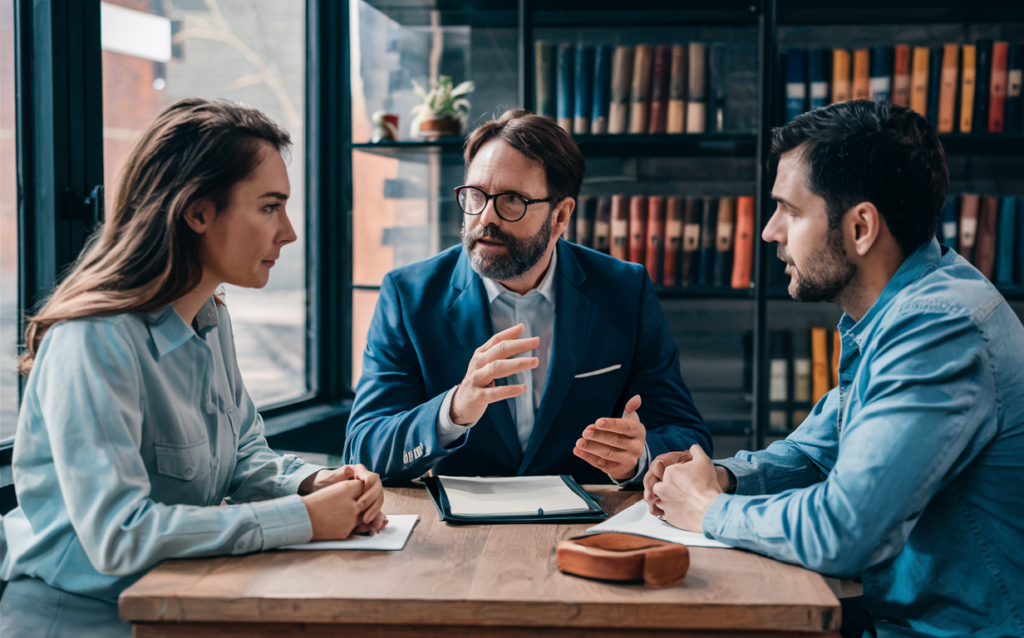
{"x": 136, "y": 440}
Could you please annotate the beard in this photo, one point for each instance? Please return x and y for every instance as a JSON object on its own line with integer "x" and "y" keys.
{"x": 826, "y": 274}
{"x": 521, "y": 254}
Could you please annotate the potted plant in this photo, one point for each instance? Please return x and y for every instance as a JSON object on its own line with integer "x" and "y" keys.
{"x": 444, "y": 110}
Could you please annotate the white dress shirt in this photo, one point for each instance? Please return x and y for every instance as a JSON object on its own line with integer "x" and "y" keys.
{"x": 536, "y": 311}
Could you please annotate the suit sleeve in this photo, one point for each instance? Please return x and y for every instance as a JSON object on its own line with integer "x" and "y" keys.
{"x": 667, "y": 410}
{"x": 393, "y": 426}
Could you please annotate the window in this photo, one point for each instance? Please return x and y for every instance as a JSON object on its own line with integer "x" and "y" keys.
{"x": 250, "y": 51}
{"x": 9, "y": 325}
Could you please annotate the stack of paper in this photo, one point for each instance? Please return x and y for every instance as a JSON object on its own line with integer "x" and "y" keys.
{"x": 392, "y": 538}
{"x": 637, "y": 520}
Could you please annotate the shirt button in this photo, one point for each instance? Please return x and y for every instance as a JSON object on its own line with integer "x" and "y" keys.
{"x": 211, "y": 407}
{"x": 239, "y": 546}
{"x": 190, "y": 472}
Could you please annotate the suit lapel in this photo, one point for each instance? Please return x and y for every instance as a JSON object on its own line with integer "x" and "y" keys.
{"x": 572, "y": 315}
{"x": 471, "y": 319}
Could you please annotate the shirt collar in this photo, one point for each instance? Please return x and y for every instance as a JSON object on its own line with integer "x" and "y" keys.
{"x": 169, "y": 331}
{"x": 546, "y": 287}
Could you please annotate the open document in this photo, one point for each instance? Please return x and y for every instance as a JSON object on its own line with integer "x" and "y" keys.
{"x": 511, "y": 496}
{"x": 390, "y": 539}
{"x": 637, "y": 520}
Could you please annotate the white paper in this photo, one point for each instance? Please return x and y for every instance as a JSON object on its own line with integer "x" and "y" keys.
{"x": 637, "y": 520}
{"x": 390, "y": 539}
{"x": 511, "y": 496}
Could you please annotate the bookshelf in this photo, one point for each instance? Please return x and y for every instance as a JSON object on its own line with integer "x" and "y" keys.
{"x": 402, "y": 207}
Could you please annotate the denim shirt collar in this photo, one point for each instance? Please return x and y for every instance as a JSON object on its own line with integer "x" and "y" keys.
{"x": 169, "y": 330}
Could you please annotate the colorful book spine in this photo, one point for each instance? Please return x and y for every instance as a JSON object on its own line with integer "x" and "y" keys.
{"x": 919, "y": 81}
{"x": 880, "y": 79}
{"x": 659, "y": 89}
{"x": 585, "y": 221}
{"x": 603, "y": 225}
{"x": 1014, "y": 89}
{"x": 708, "y": 237}
{"x": 716, "y": 89}
{"x": 837, "y": 349}
{"x": 947, "y": 90}
{"x": 696, "y": 95}
{"x": 655, "y": 255}
{"x": 802, "y": 393}
{"x": 638, "y": 229}
{"x": 584, "y": 89}
{"x": 967, "y": 88}
{"x": 1005, "y": 236}
{"x": 673, "y": 241}
{"x": 544, "y": 61}
{"x": 778, "y": 381}
{"x": 676, "y": 119}
{"x": 723, "y": 242}
{"x": 693, "y": 213}
{"x": 796, "y": 83}
{"x": 842, "y": 90}
{"x": 640, "y": 94}
{"x": 982, "y": 88}
{"x": 602, "y": 90}
{"x": 947, "y": 222}
{"x": 862, "y": 74}
{"x": 622, "y": 81}
{"x": 997, "y": 88}
{"x": 934, "y": 85}
{"x": 620, "y": 227}
{"x": 743, "y": 246}
{"x": 901, "y": 76}
{"x": 819, "y": 364}
{"x": 985, "y": 243}
{"x": 968, "y": 226}
{"x": 816, "y": 67}
{"x": 565, "y": 79}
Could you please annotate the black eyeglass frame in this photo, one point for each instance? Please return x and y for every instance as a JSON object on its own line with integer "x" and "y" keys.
{"x": 488, "y": 197}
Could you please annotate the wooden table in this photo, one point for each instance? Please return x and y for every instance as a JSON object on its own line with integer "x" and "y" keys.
{"x": 450, "y": 580}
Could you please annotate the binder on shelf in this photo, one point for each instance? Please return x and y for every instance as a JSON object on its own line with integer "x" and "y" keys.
{"x": 968, "y": 225}
{"x": 997, "y": 88}
{"x": 1014, "y": 91}
{"x": 947, "y": 89}
{"x": 716, "y": 90}
{"x": 862, "y": 74}
{"x": 842, "y": 89}
{"x": 1005, "y": 236}
{"x": 723, "y": 243}
{"x": 676, "y": 118}
{"x": 743, "y": 246}
{"x": 619, "y": 227}
{"x": 779, "y": 349}
{"x": 585, "y": 221}
{"x": 696, "y": 95}
{"x": 967, "y": 88}
{"x": 640, "y": 93}
{"x": 655, "y": 254}
{"x": 985, "y": 242}
{"x": 934, "y": 85}
{"x": 565, "y": 79}
{"x": 982, "y": 87}
{"x": 693, "y": 215}
{"x": 901, "y": 75}
{"x": 659, "y": 89}
{"x": 919, "y": 81}
{"x": 820, "y": 382}
{"x": 708, "y": 237}
{"x": 796, "y": 83}
{"x": 880, "y": 79}
{"x": 947, "y": 223}
{"x": 603, "y": 225}
{"x": 584, "y": 89}
{"x": 837, "y": 348}
{"x": 593, "y": 512}
{"x": 638, "y": 229}
{"x": 818, "y": 79}
{"x": 601, "y": 101}
{"x": 673, "y": 241}
{"x": 544, "y": 63}
{"x": 621, "y": 87}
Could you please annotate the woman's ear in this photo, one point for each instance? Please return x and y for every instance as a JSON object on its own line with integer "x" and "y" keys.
{"x": 199, "y": 216}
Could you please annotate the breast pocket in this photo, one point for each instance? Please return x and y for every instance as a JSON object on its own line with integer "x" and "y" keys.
{"x": 588, "y": 380}
{"x": 183, "y": 472}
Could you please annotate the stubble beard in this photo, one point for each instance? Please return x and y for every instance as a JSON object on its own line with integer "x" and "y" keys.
{"x": 826, "y": 275}
{"x": 521, "y": 254}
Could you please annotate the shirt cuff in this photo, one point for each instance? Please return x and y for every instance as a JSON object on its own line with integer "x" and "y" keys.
{"x": 283, "y": 521}
{"x": 448, "y": 431}
{"x": 641, "y": 469}
{"x": 710, "y": 524}
{"x": 748, "y": 479}
{"x": 289, "y": 483}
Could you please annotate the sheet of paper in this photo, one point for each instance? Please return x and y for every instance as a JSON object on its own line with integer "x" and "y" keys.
{"x": 636, "y": 519}
{"x": 510, "y": 496}
{"x": 390, "y": 539}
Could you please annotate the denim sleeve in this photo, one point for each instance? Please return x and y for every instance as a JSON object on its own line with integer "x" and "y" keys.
{"x": 928, "y": 405}
{"x": 90, "y": 396}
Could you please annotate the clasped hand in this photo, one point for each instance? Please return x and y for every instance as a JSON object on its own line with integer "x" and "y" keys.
{"x": 680, "y": 487}
{"x": 344, "y": 502}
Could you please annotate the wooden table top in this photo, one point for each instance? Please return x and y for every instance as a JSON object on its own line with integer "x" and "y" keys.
{"x": 486, "y": 575}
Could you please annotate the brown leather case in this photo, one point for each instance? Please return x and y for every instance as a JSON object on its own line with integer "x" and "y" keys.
{"x": 624, "y": 557}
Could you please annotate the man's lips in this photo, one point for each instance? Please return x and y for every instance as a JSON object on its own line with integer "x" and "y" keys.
{"x": 486, "y": 241}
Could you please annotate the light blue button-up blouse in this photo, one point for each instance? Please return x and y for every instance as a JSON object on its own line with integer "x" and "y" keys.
{"x": 137, "y": 442}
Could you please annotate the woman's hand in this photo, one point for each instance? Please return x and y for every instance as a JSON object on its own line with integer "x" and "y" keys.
{"x": 370, "y": 500}
{"x": 369, "y": 529}
{"x": 334, "y": 511}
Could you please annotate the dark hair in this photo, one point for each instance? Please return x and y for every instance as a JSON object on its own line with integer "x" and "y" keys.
{"x": 867, "y": 151}
{"x": 539, "y": 139}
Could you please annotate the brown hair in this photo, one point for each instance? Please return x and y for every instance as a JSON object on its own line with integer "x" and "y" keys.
{"x": 145, "y": 255}
{"x": 539, "y": 139}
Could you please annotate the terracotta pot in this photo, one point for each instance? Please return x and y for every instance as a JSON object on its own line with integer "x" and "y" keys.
{"x": 440, "y": 127}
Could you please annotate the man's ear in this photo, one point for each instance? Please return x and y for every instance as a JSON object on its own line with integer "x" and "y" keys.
{"x": 864, "y": 225}
{"x": 199, "y": 216}
{"x": 563, "y": 213}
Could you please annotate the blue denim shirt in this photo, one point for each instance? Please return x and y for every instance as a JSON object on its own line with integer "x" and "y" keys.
{"x": 133, "y": 430}
{"x": 910, "y": 473}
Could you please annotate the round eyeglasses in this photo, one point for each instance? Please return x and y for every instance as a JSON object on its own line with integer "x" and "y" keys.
{"x": 510, "y": 206}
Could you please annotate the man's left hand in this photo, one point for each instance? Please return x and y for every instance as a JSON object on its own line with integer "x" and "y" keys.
{"x": 687, "y": 491}
{"x": 614, "y": 446}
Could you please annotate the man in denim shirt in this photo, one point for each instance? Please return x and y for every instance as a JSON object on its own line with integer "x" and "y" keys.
{"x": 909, "y": 474}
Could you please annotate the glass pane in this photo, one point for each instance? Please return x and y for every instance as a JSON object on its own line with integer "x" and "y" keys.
{"x": 8, "y": 228}
{"x": 251, "y": 51}
{"x": 363, "y": 304}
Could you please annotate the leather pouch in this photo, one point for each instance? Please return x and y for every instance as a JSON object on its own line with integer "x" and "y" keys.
{"x": 622, "y": 557}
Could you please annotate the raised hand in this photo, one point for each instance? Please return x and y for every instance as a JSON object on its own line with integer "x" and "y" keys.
{"x": 614, "y": 446}
{"x": 492, "y": 361}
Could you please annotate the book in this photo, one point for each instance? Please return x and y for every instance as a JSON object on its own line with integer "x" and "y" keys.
{"x": 708, "y": 238}
{"x": 901, "y": 75}
{"x": 565, "y": 79}
{"x": 585, "y": 220}
{"x": 842, "y": 90}
{"x": 861, "y": 74}
{"x": 640, "y": 93}
{"x": 947, "y": 223}
{"x": 723, "y": 243}
{"x": 802, "y": 393}
{"x": 880, "y": 77}
{"x": 1018, "y": 251}
{"x": 934, "y": 85}
{"x": 716, "y": 88}
{"x": 659, "y": 89}
{"x": 544, "y": 63}
{"x": 947, "y": 89}
{"x": 796, "y": 83}
{"x": 982, "y": 88}
{"x": 919, "y": 81}
{"x": 1005, "y": 236}
{"x": 968, "y": 225}
{"x": 673, "y": 241}
{"x": 985, "y": 241}
{"x": 638, "y": 229}
{"x": 1014, "y": 90}
{"x": 817, "y": 78}
{"x": 820, "y": 384}
{"x": 676, "y": 118}
{"x": 693, "y": 214}
{"x": 837, "y": 349}
{"x": 622, "y": 82}
{"x": 696, "y": 94}
{"x": 619, "y": 246}
{"x": 603, "y": 225}
{"x": 967, "y": 88}
{"x": 584, "y": 89}
{"x": 779, "y": 349}
{"x": 997, "y": 88}
{"x": 655, "y": 255}
{"x": 743, "y": 245}
{"x": 602, "y": 90}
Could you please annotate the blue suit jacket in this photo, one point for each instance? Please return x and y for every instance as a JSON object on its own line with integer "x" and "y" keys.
{"x": 432, "y": 316}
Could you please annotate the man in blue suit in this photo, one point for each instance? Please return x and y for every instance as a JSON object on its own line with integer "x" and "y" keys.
{"x": 514, "y": 353}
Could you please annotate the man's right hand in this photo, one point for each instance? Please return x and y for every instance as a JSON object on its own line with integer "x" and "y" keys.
{"x": 492, "y": 361}
{"x": 656, "y": 474}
